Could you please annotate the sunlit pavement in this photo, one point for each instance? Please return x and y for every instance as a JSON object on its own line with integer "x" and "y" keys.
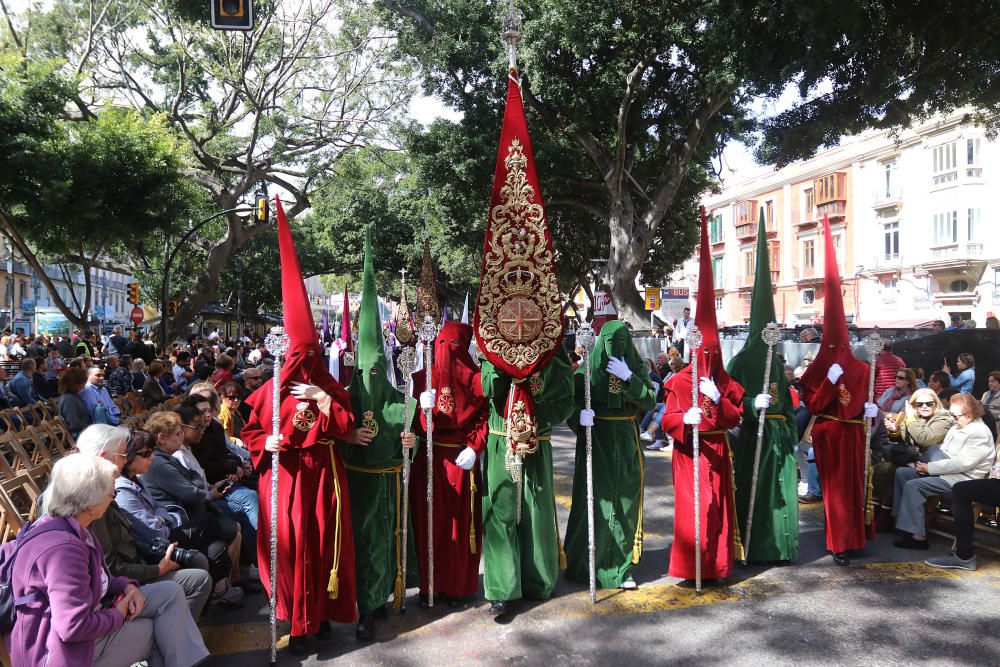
{"x": 886, "y": 608}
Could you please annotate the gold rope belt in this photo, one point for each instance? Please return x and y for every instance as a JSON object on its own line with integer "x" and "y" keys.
{"x": 726, "y": 433}
{"x": 333, "y": 586}
{"x": 617, "y": 419}
{"x": 376, "y": 471}
{"x": 449, "y": 445}
{"x": 767, "y": 416}
{"x": 539, "y": 438}
{"x": 838, "y": 419}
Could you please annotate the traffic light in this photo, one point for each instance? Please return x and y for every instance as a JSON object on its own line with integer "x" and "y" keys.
{"x": 232, "y": 14}
{"x": 263, "y": 210}
{"x": 171, "y": 308}
{"x": 133, "y": 293}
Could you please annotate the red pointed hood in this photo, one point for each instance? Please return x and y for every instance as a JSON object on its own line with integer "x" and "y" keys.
{"x": 304, "y": 359}
{"x": 834, "y": 321}
{"x": 710, "y": 353}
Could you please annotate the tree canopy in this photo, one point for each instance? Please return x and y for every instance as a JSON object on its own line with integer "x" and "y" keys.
{"x": 630, "y": 102}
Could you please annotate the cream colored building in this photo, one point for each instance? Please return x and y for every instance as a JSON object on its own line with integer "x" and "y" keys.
{"x": 910, "y": 220}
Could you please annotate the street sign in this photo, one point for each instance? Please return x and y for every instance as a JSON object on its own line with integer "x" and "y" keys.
{"x": 652, "y": 298}
{"x": 137, "y": 315}
{"x": 675, "y": 293}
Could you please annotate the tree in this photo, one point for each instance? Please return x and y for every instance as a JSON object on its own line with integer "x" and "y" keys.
{"x": 77, "y": 194}
{"x": 629, "y": 102}
{"x": 279, "y": 104}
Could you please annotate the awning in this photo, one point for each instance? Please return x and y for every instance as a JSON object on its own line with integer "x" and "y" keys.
{"x": 894, "y": 324}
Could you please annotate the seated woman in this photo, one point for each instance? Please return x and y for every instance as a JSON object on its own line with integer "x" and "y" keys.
{"x": 967, "y": 453}
{"x": 925, "y": 423}
{"x": 72, "y": 407}
{"x": 183, "y": 491}
{"x": 152, "y": 389}
{"x": 991, "y": 397}
{"x": 152, "y": 523}
{"x": 895, "y": 398}
{"x": 76, "y": 612}
{"x": 138, "y": 374}
{"x": 229, "y": 414}
{"x": 963, "y": 496}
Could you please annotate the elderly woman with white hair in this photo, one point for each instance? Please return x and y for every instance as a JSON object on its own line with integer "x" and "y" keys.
{"x": 74, "y": 611}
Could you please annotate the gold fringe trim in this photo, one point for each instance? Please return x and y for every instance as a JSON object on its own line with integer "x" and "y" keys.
{"x": 559, "y": 542}
{"x": 333, "y": 587}
{"x": 539, "y": 438}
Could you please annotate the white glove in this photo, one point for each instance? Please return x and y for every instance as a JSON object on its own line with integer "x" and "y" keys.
{"x": 762, "y": 401}
{"x": 708, "y": 388}
{"x": 466, "y": 458}
{"x": 834, "y": 373}
{"x": 692, "y": 417}
{"x": 273, "y": 443}
{"x": 427, "y": 399}
{"x": 619, "y": 369}
{"x": 308, "y": 392}
{"x": 586, "y": 417}
{"x": 871, "y": 410}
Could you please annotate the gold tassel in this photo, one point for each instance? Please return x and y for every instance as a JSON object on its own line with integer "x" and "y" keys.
{"x": 333, "y": 587}
{"x": 637, "y": 542}
{"x": 399, "y": 589}
{"x": 738, "y": 551}
{"x": 559, "y": 543}
{"x": 472, "y": 509}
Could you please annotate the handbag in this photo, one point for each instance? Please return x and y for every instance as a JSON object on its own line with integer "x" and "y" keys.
{"x": 902, "y": 454}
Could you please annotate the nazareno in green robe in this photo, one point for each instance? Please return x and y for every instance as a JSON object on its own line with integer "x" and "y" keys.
{"x": 618, "y": 463}
{"x": 374, "y": 471}
{"x": 523, "y": 559}
{"x": 775, "y": 530}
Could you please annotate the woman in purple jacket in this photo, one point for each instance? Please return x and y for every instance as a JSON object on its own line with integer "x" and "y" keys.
{"x": 77, "y": 614}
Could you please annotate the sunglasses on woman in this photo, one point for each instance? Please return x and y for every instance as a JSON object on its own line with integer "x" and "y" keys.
{"x": 923, "y": 404}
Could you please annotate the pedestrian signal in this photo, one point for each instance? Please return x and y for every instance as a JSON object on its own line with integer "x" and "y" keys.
{"x": 232, "y": 14}
{"x": 652, "y": 298}
{"x": 133, "y": 293}
{"x": 171, "y": 308}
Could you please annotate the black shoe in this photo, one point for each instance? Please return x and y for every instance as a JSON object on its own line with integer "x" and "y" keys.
{"x": 299, "y": 645}
{"x": 907, "y": 542}
{"x": 365, "y": 631}
{"x": 423, "y": 603}
{"x": 498, "y": 608}
{"x": 380, "y": 612}
{"x": 810, "y": 498}
{"x": 325, "y": 631}
{"x": 841, "y": 558}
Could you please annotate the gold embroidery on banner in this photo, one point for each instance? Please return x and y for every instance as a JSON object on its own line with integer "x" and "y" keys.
{"x": 523, "y": 436}
{"x": 519, "y": 304}
{"x": 707, "y": 407}
{"x": 446, "y": 401}
{"x": 368, "y": 421}
{"x": 614, "y": 385}
{"x": 304, "y": 418}
{"x": 772, "y": 389}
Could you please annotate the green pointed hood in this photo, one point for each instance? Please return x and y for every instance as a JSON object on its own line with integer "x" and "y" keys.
{"x": 373, "y": 398}
{"x": 747, "y": 367}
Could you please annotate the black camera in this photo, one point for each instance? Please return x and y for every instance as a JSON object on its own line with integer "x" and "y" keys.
{"x": 154, "y": 552}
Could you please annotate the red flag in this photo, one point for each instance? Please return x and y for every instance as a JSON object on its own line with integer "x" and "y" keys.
{"x": 517, "y": 321}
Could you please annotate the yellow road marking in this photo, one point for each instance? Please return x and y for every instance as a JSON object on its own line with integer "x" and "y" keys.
{"x": 239, "y": 637}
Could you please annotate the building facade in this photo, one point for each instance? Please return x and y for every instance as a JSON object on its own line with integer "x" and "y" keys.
{"x": 909, "y": 215}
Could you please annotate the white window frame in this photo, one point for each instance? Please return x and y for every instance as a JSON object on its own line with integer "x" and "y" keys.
{"x": 945, "y": 227}
{"x": 944, "y": 163}
{"x": 891, "y": 237}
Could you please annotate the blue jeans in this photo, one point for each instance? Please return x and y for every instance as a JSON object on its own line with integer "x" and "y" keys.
{"x": 242, "y": 505}
{"x": 654, "y": 416}
{"x": 812, "y": 478}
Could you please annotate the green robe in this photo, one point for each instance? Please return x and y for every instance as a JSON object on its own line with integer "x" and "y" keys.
{"x": 522, "y": 559}
{"x": 374, "y": 471}
{"x": 775, "y": 530}
{"x": 618, "y": 464}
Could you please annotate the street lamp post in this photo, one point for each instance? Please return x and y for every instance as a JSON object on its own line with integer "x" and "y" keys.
{"x": 238, "y": 267}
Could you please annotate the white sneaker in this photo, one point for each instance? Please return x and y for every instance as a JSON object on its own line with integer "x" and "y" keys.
{"x": 629, "y": 585}
{"x": 803, "y": 488}
{"x": 646, "y": 436}
{"x": 254, "y": 572}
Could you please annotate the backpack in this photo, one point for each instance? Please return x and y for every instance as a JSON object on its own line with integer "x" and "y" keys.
{"x": 8, "y": 603}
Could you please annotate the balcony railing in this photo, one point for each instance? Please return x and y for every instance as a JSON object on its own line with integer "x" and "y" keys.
{"x": 805, "y": 217}
{"x": 887, "y": 196}
{"x": 802, "y": 272}
{"x": 746, "y": 231}
{"x": 957, "y": 250}
{"x": 833, "y": 209}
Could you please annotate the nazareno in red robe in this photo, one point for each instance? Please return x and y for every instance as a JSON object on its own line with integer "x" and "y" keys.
{"x": 719, "y": 535}
{"x": 460, "y": 420}
{"x": 314, "y": 513}
{"x": 838, "y": 439}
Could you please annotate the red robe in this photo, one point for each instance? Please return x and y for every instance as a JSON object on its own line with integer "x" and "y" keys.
{"x": 719, "y": 535}
{"x": 839, "y": 447}
{"x": 460, "y": 420}
{"x": 314, "y": 513}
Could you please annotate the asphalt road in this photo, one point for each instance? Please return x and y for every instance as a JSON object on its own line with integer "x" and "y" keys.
{"x": 886, "y": 608}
